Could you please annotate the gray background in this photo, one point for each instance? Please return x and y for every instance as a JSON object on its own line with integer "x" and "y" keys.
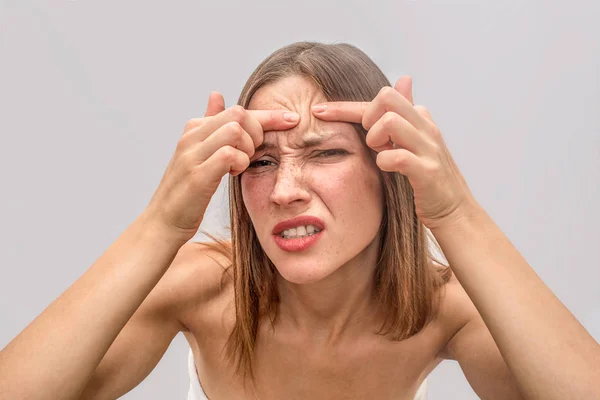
{"x": 94, "y": 96}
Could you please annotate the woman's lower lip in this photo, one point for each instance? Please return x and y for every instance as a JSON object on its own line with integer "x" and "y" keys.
{"x": 297, "y": 244}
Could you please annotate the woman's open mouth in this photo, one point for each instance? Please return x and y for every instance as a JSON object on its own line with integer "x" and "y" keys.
{"x": 295, "y": 241}
{"x": 298, "y": 233}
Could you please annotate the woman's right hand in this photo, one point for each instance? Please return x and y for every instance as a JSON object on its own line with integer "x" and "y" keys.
{"x": 221, "y": 142}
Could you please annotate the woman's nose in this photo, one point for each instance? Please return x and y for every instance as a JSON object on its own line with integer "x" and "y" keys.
{"x": 289, "y": 187}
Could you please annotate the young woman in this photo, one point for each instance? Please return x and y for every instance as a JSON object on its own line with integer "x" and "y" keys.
{"x": 328, "y": 288}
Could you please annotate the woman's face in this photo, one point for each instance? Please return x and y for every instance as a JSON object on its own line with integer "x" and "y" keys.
{"x": 319, "y": 170}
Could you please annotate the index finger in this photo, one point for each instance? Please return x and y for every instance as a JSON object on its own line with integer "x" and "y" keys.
{"x": 276, "y": 120}
{"x": 342, "y": 111}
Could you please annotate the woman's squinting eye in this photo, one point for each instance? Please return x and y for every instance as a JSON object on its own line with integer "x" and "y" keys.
{"x": 320, "y": 154}
{"x": 332, "y": 152}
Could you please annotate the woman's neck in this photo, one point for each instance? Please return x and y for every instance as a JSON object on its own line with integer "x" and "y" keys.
{"x": 340, "y": 304}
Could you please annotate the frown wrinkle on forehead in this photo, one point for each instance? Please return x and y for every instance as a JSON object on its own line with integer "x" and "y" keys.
{"x": 293, "y": 93}
{"x": 298, "y": 94}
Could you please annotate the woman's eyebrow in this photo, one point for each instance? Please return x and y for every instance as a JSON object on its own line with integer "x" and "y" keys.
{"x": 307, "y": 141}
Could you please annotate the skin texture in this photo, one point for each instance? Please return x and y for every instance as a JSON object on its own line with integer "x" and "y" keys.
{"x": 336, "y": 181}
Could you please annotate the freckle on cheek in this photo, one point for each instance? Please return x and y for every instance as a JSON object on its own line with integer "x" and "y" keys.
{"x": 256, "y": 195}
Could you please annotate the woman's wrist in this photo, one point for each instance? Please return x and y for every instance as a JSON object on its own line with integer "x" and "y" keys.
{"x": 152, "y": 229}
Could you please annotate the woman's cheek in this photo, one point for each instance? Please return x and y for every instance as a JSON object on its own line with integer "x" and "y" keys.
{"x": 338, "y": 180}
{"x": 256, "y": 190}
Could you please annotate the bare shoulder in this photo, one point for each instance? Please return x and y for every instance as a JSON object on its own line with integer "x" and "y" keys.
{"x": 197, "y": 276}
{"x": 456, "y": 309}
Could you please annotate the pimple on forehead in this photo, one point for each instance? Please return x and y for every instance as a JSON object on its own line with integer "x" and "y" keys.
{"x": 296, "y": 94}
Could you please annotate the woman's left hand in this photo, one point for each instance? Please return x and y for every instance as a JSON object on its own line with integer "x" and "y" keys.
{"x": 409, "y": 142}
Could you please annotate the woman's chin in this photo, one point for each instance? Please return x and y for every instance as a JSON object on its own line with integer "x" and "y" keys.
{"x": 303, "y": 274}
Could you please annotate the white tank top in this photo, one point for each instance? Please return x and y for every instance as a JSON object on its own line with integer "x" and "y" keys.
{"x": 196, "y": 392}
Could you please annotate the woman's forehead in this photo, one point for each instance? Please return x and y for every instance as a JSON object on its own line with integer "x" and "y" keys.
{"x": 298, "y": 94}
{"x": 293, "y": 93}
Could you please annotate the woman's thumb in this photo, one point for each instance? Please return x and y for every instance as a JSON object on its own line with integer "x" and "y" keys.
{"x": 216, "y": 104}
{"x": 404, "y": 87}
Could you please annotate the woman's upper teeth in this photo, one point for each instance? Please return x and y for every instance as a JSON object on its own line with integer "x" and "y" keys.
{"x": 300, "y": 231}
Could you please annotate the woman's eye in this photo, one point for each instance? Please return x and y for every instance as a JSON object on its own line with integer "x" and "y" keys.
{"x": 332, "y": 152}
{"x": 259, "y": 163}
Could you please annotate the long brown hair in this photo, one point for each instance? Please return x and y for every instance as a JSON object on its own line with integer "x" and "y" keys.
{"x": 406, "y": 283}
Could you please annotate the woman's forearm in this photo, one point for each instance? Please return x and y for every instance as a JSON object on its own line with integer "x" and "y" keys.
{"x": 548, "y": 350}
{"x": 61, "y": 348}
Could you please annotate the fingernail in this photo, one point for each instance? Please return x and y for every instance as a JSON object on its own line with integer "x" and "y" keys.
{"x": 291, "y": 116}
{"x": 319, "y": 108}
